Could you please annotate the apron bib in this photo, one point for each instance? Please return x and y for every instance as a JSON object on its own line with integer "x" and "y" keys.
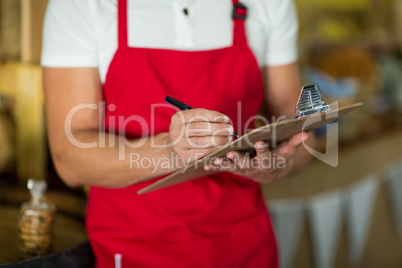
{"x": 215, "y": 221}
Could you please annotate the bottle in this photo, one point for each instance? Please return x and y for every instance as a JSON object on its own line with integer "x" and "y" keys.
{"x": 36, "y": 223}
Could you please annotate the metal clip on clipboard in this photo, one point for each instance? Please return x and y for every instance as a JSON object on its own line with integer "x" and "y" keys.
{"x": 310, "y": 101}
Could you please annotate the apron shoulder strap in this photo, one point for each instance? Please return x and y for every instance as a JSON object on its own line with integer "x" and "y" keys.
{"x": 239, "y": 17}
{"x": 122, "y": 23}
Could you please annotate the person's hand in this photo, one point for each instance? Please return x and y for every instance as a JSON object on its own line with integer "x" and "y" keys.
{"x": 266, "y": 166}
{"x": 198, "y": 132}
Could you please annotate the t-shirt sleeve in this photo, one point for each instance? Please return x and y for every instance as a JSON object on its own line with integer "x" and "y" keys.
{"x": 68, "y": 35}
{"x": 282, "y": 41}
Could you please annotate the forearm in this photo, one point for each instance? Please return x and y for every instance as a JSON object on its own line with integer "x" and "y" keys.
{"x": 83, "y": 155}
{"x": 110, "y": 162}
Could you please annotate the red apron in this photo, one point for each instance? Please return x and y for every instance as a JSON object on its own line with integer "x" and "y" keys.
{"x": 216, "y": 221}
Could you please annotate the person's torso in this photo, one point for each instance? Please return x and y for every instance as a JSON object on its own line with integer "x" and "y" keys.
{"x": 196, "y": 217}
{"x": 165, "y": 25}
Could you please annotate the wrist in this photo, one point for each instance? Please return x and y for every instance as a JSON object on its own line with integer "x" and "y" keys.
{"x": 169, "y": 152}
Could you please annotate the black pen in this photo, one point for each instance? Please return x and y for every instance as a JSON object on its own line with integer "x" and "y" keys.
{"x": 183, "y": 106}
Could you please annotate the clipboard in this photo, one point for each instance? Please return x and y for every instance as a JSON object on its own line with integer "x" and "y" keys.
{"x": 271, "y": 133}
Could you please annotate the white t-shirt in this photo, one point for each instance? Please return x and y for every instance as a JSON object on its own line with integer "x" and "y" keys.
{"x": 83, "y": 33}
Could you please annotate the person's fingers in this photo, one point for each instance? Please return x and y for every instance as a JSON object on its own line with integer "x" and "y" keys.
{"x": 207, "y": 129}
{"x": 261, "y": 149}
{"x": 242, "y": 161}
{"x": 262, "y": 162}
{"x": 295, "y": 140}
{"x": 221, "y": 164}
{"x": 298, "y": 139}
{"x": 289, "y": 148}
{"x": 195, "y": 153}
{"x": 198, "y": 115}
{"x": 262, "y": 159}
{"x": 285, "y": 152}
{"x": 207, "y": 141}
{"x": 199, "y": 122}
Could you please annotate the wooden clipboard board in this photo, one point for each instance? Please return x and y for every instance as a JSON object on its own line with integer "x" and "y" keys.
{"x": 275, "y": 132}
